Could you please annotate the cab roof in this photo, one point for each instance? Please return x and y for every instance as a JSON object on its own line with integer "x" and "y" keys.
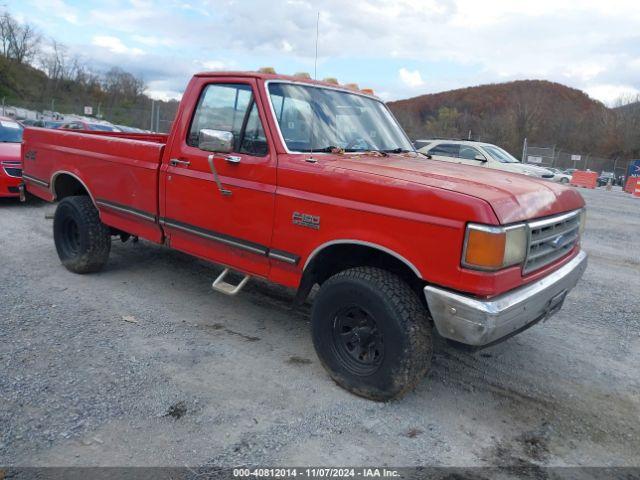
{"x": 276, "y": 76}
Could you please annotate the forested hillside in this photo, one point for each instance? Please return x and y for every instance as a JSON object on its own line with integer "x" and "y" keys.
{"x": 545, "y": 113}
{"x": 41, "y": 75}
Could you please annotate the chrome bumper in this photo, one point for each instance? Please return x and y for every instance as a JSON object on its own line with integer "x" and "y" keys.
{"x": 476, "y": 322}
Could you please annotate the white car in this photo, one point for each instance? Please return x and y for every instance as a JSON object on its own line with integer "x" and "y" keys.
{"x": 560, "y": 176}
{"x": 481, "y": 154}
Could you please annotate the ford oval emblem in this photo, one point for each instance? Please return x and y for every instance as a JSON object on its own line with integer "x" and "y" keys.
{"x": 556, "y": 242}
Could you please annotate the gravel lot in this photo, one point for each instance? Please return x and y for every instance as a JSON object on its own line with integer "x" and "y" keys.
{"x": 142, "y": 364}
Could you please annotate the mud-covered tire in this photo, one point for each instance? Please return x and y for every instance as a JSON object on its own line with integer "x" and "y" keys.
{"x": 83, "y": 242}
{"x": 366, "y": 306}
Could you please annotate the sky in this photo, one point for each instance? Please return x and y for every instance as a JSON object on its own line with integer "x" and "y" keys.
{"x": 400, "y": 48}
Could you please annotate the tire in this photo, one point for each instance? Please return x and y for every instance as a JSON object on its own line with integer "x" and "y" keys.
{"x": 83, "y": 242}
{"x": 371, "y": 333}
{"x": 564, "y": 180}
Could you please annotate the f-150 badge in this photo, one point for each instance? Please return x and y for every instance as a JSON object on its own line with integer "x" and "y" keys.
{"x": 306, "y": 220}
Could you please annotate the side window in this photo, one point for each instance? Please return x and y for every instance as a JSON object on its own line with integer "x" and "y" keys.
{"x": 469, "y": 153}
{"x": 254, "y": 141}
{"x": 446, "y": 150}
{"x": 221, "y": 107}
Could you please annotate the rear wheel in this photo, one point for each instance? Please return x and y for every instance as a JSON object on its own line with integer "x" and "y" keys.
{"x": 564, "y": 180}
{"x": 371, "y": 333}
{"x": 82, "y": 241}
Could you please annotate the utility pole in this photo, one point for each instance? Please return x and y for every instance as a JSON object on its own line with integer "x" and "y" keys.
{"x": 524, "y": 150}
{"x": 3, "y": 106}
{"x": 153, "y": 103}
{"x": 53, "y": 104}
{"x": 158, "y": 118}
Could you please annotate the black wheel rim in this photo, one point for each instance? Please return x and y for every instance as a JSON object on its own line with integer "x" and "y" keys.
{"x": 357, "y": 341}
{"x": 70, "y": 237}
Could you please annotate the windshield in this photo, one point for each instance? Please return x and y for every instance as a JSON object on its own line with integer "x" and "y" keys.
{"x": 500, "y": 154}
{"x": 320, "y": 119}
{"x": 10, "y": 131}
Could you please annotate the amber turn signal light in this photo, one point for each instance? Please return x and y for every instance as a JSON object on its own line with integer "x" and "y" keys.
{"x": 491, "y": 248}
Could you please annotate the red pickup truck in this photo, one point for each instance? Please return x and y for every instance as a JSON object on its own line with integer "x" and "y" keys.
{"x": 307, "y": 183}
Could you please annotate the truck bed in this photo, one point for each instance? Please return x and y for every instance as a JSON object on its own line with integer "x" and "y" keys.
{"x": 119, "y": 169}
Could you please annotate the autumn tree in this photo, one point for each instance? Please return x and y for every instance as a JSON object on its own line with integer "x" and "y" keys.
{"x": 18, "y": 42}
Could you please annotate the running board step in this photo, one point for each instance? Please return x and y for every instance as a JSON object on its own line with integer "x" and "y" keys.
{"x": 221, "y": 286}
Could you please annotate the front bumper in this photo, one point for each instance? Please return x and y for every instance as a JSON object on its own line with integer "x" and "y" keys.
{"x": 477, "y": 322}
{"x": 9, "y": 186}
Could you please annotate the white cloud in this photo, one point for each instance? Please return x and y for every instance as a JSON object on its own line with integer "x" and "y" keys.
{"x": 610, "y": 94}
{"x": 115, "y": 45}
{"x": 213, "y": 65}
{"x": 153, "y": 41}
{"x": 286, "y": 46}
{"x": 58, "y": 8}
{"x": 411, "y": 78}
{"x": 587, "y": 44}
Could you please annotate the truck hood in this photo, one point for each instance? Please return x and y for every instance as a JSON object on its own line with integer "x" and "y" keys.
{"x": 513, "y": 197}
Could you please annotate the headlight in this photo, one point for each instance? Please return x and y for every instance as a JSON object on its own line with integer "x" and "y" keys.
{"x": 492, "y": 248}
{"x": 583, "y": 221}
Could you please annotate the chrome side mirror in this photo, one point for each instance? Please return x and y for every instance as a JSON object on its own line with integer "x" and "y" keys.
{"x": 215, "y": 140}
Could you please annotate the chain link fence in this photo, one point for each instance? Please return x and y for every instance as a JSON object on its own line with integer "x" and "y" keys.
{"x": 550, "y": 156}
{"x": 157, "y": 117}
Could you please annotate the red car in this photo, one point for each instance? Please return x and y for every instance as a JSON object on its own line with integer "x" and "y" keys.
{"x": 305, "y": 183}
{"x": 90, "y": 126}
{"x": 10, "y": 164}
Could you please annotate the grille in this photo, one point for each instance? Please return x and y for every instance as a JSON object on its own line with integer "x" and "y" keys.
{"x": 13, "y": 172}
{"x": 551, "y": 239}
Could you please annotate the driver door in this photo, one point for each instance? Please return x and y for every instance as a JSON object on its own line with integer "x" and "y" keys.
{"x": 231, "y": 225}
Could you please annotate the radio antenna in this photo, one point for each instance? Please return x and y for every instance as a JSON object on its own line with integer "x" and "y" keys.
{"x": 315, "y": 62}
{"x": 311, "y": 158}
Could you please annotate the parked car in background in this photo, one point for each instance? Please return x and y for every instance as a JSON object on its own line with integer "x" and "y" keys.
{"x": 421, "y": 143}
{"x": 480, "y": 154}
{"x": 126, "y": 129}
{"x": 91, "y": 126}
{"x": 606, "y": 177}
{"x": 570, "y": 171}
{"x": 42, "y": 123}
{"x": 560, "y": 176}
{"x": 10, "y": 164}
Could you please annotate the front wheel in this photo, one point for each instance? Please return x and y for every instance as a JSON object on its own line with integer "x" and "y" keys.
{"x": 83, "y": 242}
{"x": 564, "y": 180}
{"x": 371, "y": 333}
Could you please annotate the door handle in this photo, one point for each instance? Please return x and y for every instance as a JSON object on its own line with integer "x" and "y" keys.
{"x": 232, "y": 158}
{"x": 176, "y": 162}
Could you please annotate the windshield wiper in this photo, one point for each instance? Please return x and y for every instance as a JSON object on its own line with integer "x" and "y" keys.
{"x": 397, "y": 150}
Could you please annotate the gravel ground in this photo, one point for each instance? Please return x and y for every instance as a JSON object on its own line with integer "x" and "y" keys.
{"x": 142, "y": 364}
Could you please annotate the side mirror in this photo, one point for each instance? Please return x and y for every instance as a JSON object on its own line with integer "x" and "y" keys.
{"x": 480, "y": 158}
{"x": 215, "y": 140}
